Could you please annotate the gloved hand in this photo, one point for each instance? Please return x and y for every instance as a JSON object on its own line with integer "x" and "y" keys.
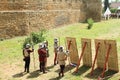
{"x": 67, "y": 51}
{"x": 32, "y": 47}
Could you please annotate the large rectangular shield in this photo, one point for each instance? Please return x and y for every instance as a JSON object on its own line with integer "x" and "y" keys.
{"x": 73, "y": 50}
{"x": 101, "y": 52}
{"x": 113, "y": 57}
{"x": 87, "y": 55}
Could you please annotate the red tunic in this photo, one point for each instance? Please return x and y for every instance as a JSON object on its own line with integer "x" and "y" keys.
{"x": 42, "y": 54}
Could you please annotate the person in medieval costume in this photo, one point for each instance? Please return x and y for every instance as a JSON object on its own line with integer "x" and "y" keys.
{"x": 26, "y": 54}
{"x": 47, "y": 50}
{"x": 42, "y": 57}
{"x": 61, "y": 57}
{"x": 55, "y": 50}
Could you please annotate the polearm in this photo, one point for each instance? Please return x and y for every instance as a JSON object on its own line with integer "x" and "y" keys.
{"x": 33, "y": 51}
{"x": 32, "y": 43}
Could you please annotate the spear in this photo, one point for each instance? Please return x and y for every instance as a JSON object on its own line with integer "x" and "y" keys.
{"x": 33, "y": 51}
{"x": 31, "y": 40}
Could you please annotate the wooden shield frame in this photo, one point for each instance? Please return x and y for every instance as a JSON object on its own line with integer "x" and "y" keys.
{"x": 113, "y": 57}
{"x": 87, "y": 55}
{"x": 101, "y": 52}
{"x": 73, "y": 50}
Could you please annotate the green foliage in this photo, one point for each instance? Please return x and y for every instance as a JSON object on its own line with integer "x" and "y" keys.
{"x": 90, "y": 23}
{"x": 27, "y": 41}
{"x": 38, "y": 37}
{"x": 113, "y": 10}
{"x": 35, "y": 38}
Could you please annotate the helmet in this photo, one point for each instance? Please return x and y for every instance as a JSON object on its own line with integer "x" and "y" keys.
{"x": 55, "y": 40}
{"x": 61, "y": 48}
{"x": 27, "y": 46}
{"x": 41, "y": 45}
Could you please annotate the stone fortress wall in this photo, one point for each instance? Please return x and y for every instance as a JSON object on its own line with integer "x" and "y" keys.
{"x": 20, "y": 17}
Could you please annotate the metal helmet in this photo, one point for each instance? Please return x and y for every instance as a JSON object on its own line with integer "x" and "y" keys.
{"x": 55, "y": 40}
{"x": 61, "y": 48}
{"x": 41, "y": 45}
{"x": 27, "y": 46}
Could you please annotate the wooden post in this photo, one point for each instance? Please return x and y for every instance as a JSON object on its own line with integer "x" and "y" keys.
{"x": 106, "y": 60}
{"x": 95, "y": 59}
{"x": 80, "y": 57}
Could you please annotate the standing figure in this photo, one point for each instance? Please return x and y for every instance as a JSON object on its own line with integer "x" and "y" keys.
{"x": 61, "y": 57}
{"x": 47, "y": 50}
{"x": 26, "y": 54}
{"x": 42, "y": 57}
{"x": 55, "y": 50}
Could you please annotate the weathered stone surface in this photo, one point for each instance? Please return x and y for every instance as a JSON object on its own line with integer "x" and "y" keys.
{"x": 20, "y": 17}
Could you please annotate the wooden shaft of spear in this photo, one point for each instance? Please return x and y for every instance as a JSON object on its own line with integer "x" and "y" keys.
{"x": 33, "y": 52}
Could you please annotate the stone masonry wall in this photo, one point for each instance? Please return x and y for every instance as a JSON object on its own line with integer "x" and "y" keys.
{"x": 20, "y": 17}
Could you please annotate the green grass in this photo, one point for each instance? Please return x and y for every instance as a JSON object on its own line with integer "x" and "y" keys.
{"x": 11, "y": 49}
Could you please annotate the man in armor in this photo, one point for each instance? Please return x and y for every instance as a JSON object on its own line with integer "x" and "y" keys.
{"x": 55, "y": 50}
{"x": 26, "y": 54}
{"x": 61, "y": 58}
{"x": 42, "y": 57}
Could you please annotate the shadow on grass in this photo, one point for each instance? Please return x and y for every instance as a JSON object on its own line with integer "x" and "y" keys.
{"x": 67, "y": 68}
{"x": 97, "y": 73}
{"x": 34, "y": 74}
{"x": 81, "y": 70}
{"x": 109, "y": 74}
{"x": 19, "y": 75}
{"x": 50, "y": 67}
{"x": 57, "y": 78}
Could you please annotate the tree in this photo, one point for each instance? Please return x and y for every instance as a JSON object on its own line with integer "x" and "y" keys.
{"x": 106, "y": 4}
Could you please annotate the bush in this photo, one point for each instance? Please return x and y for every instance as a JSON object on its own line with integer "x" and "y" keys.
{"x": 90, "y": 23}
{"x": 113, "y": 10}
{"x": 27, "y": 41}
{"x": 35, "y": 38}
{"x": 38, "y": 37}
{"x": 1, "y": 39}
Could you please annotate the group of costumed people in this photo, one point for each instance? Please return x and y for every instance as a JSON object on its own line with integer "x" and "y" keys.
{"x": 43, "y": 52}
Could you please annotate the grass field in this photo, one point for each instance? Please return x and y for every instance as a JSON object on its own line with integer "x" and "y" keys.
{"x": 11, "y": 59}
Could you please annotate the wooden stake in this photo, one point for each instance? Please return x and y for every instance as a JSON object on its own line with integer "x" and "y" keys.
{"x": 107, "y": 56}
{"x": 80, "y": 56}
{"x": 95, "y": 59}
